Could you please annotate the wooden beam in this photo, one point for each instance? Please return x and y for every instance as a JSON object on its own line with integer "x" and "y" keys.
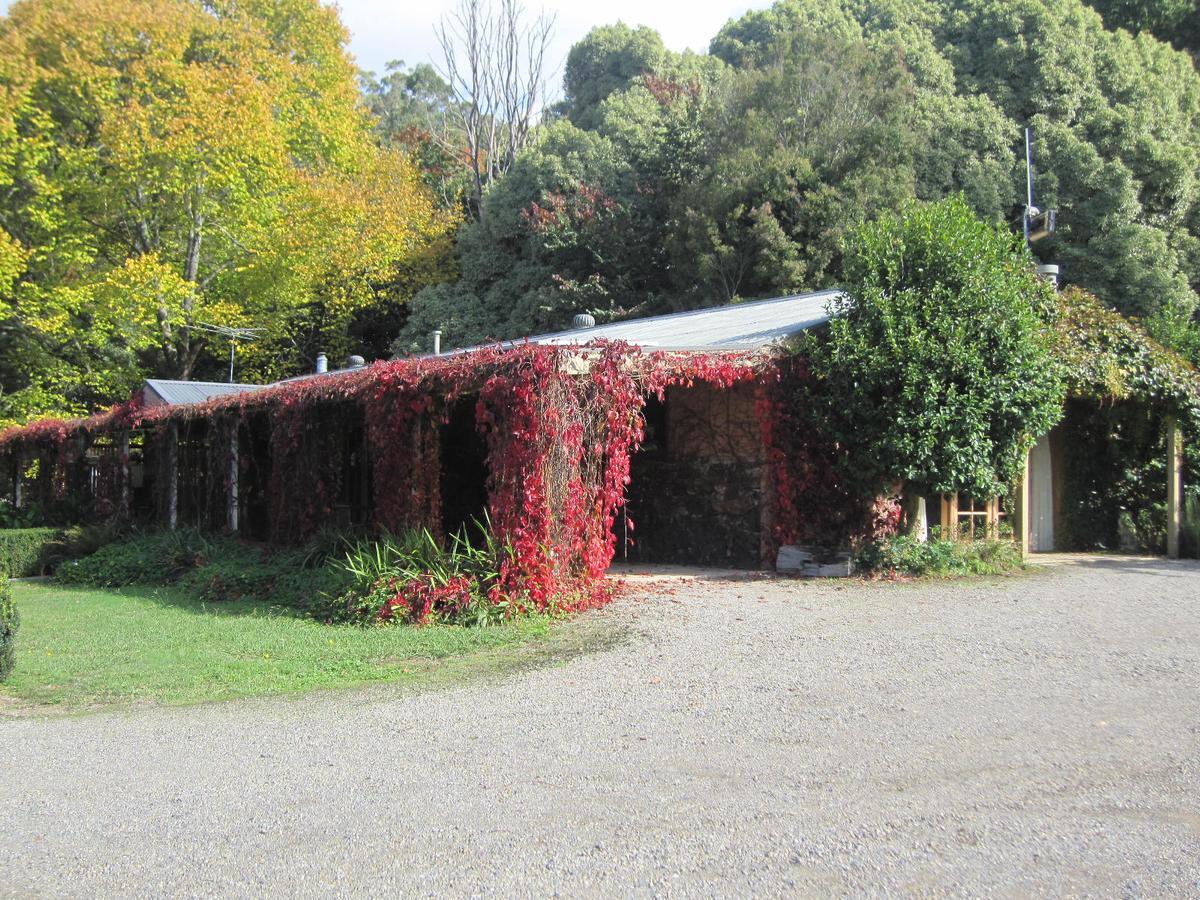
{"x": 1174, "y": 486}
{"x": 949, "y": 517}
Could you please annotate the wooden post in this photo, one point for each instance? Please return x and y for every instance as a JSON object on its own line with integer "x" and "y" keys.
{"x": 124, "y": 460}
{"x": 950, "y": 517}
{"x": 1174, "y": 486}
{"x": 232, "y": 478}
{"x": 17, "y": 475}
{"x": 993, "y": 518}
{"x": 1023, "y": 510}
{"x": 172, "y": 475}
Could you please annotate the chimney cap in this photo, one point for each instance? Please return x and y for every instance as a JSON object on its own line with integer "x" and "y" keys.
{"x": 583, "y": 320}
{"x": 355, "y": 362}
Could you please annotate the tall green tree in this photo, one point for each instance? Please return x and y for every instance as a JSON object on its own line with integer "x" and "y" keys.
{"x": 167, "y": 165}
{"x": 936, "y": 368}
{"x": 1115, "y": 118}
{"x": 1175, "y": 21}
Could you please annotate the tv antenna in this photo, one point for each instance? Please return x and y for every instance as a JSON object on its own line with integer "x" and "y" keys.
{"x": 1037, "y": 223}
{"x": 233, "y": 335}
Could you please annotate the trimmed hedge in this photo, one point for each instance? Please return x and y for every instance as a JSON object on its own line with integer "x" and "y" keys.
{"x": 23, "y": 550}
{"x": 9, "y": 621}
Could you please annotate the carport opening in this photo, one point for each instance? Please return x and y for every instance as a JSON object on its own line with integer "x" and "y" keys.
{"x": 464, "y": 469}
{"x": 695, "y": 492}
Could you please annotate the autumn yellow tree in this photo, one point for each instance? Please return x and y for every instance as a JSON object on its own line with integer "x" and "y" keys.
{"x": 171, "y": 164}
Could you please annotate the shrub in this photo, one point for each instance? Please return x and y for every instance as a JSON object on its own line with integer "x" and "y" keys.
{"x": 23, "y": 551}
{"x": 905, "y": 555}
{"x": 408, "y": 579}
{"x": 28, "y": 516}
{"x": 299, "y": 579}
{"x": 412, "y": 579}
{"x": 934, "y": 368}
{"x": 9, "y": 622}
{"x": 159, "y": 557}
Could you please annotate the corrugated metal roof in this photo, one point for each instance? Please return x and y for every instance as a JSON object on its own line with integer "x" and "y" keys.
{"x": 170, "y": 393}
{"x": 740, "y": 326}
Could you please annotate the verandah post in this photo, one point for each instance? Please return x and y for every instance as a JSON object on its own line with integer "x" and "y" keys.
{"x": 232, "y": 479}
{"x": 124, "y": 460}
{"x": 172, "y": 475}
{"x": 1174, "y": 486}
{"x": 17, "y": 472}
{"x": 1023, "y": 513}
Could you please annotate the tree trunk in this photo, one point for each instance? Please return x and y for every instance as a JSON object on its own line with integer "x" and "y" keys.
{"x": 916, "y": 524}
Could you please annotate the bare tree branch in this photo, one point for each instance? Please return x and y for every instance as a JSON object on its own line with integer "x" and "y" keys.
{"x": 494, "y": 61}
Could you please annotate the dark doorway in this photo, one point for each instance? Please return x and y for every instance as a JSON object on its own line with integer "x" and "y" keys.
{"x": 695, "y": 489}
{"x": 254, "y": 478}
{"x": 464, "y": 471}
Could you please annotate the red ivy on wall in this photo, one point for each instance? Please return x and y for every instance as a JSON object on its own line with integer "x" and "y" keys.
{"x": 560, "y": 423}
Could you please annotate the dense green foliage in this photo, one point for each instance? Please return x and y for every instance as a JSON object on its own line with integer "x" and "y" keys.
{"x": 212, "y": 569}
{"x": 186, "y": 165}
{"x": 1124, "y": 385}
{"x": 23, "y": 551}
{"x": 935, "y": 369}
{"x": 1176, "y": 21}
{"x": 676, "y": 182}
{"x": 1107, "y": 357}
{"x": 10, "y": 621}
{"x": 904, "y": 555}
{"x": 407, "y": 579}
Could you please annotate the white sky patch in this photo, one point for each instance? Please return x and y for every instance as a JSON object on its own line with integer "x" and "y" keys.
{"x": 383, "y": 30}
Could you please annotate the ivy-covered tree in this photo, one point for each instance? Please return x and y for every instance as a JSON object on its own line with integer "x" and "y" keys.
{"x": 936, "y": 369}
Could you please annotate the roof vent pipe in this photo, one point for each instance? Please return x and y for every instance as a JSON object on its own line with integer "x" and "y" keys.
{"x": 1049, "y": 271}
{"x": 437, "y": 342}
{"x": 583, "y": 320}
{"x": 322, "y": 363}
{"x": 355, "y": 362}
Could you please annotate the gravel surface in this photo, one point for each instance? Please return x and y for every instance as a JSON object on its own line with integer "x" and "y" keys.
{"x": 1033, "y": 735}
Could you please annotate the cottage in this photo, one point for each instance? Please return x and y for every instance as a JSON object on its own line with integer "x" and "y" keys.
{"x": 540, "y": 435}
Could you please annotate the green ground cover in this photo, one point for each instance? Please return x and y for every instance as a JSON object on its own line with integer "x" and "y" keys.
{"x": 83, "y": 648}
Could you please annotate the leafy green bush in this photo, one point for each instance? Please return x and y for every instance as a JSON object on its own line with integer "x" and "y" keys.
{"x": 411, "y": 578}
{"x": 10, "y": 620}
{"x": 904, "y": 555}
{"x": 157, "y": 557}
{"x": 299, "y": 579}
{"x": 28, "y": 516}
{"x": 23, "y": 551}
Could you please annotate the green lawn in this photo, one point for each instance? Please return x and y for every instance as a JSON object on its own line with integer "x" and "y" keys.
{"x": 81, "y": 648}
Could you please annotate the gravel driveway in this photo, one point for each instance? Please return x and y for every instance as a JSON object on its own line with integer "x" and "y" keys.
{"x": 1033, "y": 735}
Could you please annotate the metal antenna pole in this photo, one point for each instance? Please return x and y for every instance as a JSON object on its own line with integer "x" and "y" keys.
{"x": 1028, "y": 188}
{"x": 234, "y": 335}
